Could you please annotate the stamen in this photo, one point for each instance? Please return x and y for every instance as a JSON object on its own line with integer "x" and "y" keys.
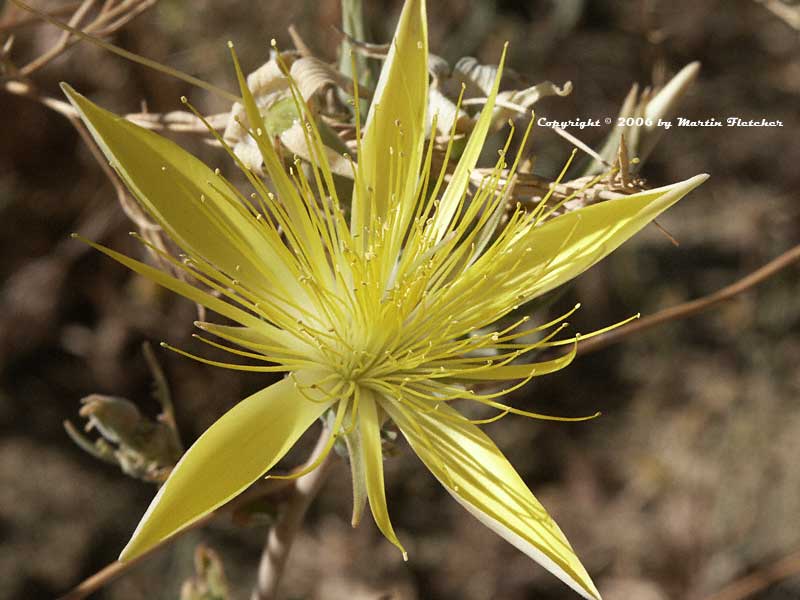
{"x": 232, "y": 366}
{"x": 543, "y": 202}
{"x": 586, "y": 336}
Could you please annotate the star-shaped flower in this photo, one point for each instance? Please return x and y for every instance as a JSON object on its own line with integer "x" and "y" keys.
{"x": 385, "y": 314}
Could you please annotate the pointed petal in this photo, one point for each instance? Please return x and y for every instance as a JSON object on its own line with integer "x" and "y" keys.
{"x": 370, "y": 428}
{"x": 566, "y": 246}
{"x": 400, "y": 96}
{"x": 233, "y": 453}
{"x": 481, "y": 479}
{"x": 457, "y": 187}
{"x": 186, "y": 198}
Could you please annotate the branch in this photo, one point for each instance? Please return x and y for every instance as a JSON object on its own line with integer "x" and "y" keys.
{"x": 149, "y": 230}
{"x": 304, "y": 490}
{"x": 61, "y": 45}
{"x": 108, "y": 21}
{"x": 753, "y": 583}
{"x": 693, "y": 307}
{"x": 12, "y": 24}
{"x": 282, "y": 534}
{"x": 162, "y": 393}
{"x": 117, "y": 568}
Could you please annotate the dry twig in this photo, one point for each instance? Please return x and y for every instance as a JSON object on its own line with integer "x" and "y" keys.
{"x": 303, "y": 490}
{"x": 687, "y": 309}
{"x": 13, "y": 24}
{"x": 111, "y": 17}
{"x": 751, "y": 584}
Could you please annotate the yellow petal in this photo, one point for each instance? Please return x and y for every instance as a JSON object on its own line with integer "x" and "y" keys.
{"x": 400, "y": 97}
{"x": 186, "y": 198}
{"x": 568, "y": 245}
{"x": 233, "y": 453}
{"x": 457, "y": 187}
{"x": 481, "y": 479}
{"x": 370, "y": 429}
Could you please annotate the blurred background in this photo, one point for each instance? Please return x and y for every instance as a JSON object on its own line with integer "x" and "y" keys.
{"x": 690, "y": 479}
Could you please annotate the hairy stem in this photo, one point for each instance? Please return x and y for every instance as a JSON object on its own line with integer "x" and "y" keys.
{"x": 282, "y": 534}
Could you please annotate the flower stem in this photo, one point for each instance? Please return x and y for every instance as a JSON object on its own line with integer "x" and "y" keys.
{"x": 282, "y": 534}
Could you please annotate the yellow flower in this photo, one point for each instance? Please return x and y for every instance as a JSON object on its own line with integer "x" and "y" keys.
{"x": 379, "y": 316}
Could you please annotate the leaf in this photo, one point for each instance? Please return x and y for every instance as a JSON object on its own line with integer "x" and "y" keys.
{"x": 446, "y": 115}
{"x": 294, "y": 138}
{"x": 312, "y": 74}
{"x": 478, "y": 78}
{"x": 663, "y": 104}
{"x": 469, "y": 465}
{"x": 235, "y": 451}
{"x": 524, "y": 99}
{"x": 641, "y": 139}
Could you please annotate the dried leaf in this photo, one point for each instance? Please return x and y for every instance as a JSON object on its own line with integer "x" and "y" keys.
{"x": 272, "y": 93}
{"x": 209, "y": 581}
{"x": 477, "y": 77}
{"x": 447, "y": 114}
{"x": 294, "y": 139}
{"x": 649, "y": 106}
{"x": 312, "y": 75}
{"x": 515, "y": 102}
